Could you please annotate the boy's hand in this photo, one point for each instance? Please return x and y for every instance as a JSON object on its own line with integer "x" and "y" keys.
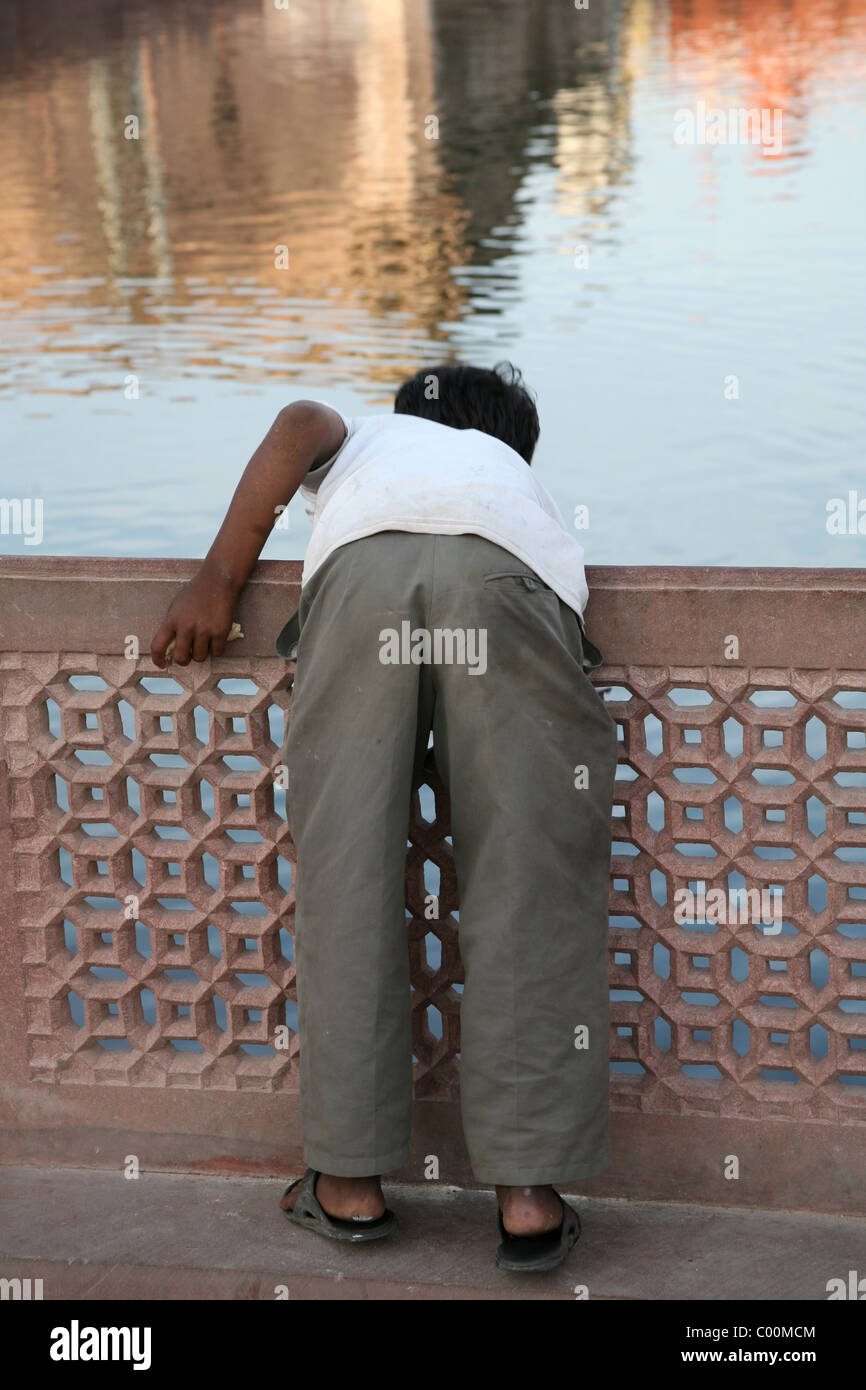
{"x": 199, "y": 620}
{"x": 304, "y": 435}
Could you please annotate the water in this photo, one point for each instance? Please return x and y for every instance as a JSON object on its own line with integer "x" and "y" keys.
{"x": 555, "y": 221}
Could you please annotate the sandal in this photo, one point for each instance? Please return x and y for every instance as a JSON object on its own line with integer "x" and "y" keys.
{"x": 308, "y": 1211}
{"x": 528, "y": 1254}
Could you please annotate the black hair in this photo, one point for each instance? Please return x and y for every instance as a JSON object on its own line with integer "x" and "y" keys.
{"x": 494, "y": 400}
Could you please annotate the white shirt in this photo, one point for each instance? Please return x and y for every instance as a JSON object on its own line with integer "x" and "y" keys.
{"x": 404, "y": 473}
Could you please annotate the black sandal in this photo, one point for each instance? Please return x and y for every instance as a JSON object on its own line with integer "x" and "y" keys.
{"x": 531, "y": 1254}
{"x": 308, "y": 1211}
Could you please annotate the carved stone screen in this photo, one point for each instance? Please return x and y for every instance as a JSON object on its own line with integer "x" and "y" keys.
{"x": 154, "y": 880}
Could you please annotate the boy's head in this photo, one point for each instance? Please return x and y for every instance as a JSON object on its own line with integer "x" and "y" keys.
{"x": 494, "y": 400}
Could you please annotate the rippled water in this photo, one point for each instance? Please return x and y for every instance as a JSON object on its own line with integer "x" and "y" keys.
{"x": 554, "y": 219}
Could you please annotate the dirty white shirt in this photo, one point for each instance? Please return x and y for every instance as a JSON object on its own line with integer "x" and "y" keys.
{"x": 404, "y": 473}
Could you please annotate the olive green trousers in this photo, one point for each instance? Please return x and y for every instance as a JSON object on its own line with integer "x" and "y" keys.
{"x": 401, "y": 634}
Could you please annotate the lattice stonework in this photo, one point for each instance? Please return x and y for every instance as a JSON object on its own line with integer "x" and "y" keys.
{"x": 154, "y": 882}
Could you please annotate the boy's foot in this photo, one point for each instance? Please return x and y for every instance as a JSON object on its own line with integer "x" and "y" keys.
{"x": 535, "y": 1235}
{"x": 346, "y": 1198}
{"x": 529, "y": 1211}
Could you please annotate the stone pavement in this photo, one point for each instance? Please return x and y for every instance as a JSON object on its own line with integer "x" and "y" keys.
{"x": 92, "y": 1234}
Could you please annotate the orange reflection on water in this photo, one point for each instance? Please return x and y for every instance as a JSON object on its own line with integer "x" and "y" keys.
{"x": 772, "y": 55}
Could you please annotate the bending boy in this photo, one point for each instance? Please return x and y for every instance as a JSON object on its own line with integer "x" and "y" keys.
{"x": 441, "y": 592}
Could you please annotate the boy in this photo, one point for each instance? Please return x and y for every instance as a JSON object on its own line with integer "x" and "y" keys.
{"x": 441, "y": 591}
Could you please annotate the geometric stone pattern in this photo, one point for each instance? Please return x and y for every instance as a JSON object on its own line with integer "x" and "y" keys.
{"x": 154, "y": 879}
{"x": 153, "y": 869}
{"x": 752, "y": 779}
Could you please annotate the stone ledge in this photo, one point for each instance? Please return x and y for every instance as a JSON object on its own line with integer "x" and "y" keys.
{"x": 94, "y": 1235}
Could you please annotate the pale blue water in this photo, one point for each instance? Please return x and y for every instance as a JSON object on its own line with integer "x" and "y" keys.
{"x": 155, "y": 258}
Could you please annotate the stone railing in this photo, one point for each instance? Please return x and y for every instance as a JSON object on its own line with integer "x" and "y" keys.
{"x": 146, "y": 961}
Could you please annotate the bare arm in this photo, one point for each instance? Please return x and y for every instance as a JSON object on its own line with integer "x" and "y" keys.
{"x": 304, "y": 435}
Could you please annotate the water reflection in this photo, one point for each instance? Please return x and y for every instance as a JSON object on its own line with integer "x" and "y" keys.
{"x": 311, "y": 129}
{"x": 436, "y": 170}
